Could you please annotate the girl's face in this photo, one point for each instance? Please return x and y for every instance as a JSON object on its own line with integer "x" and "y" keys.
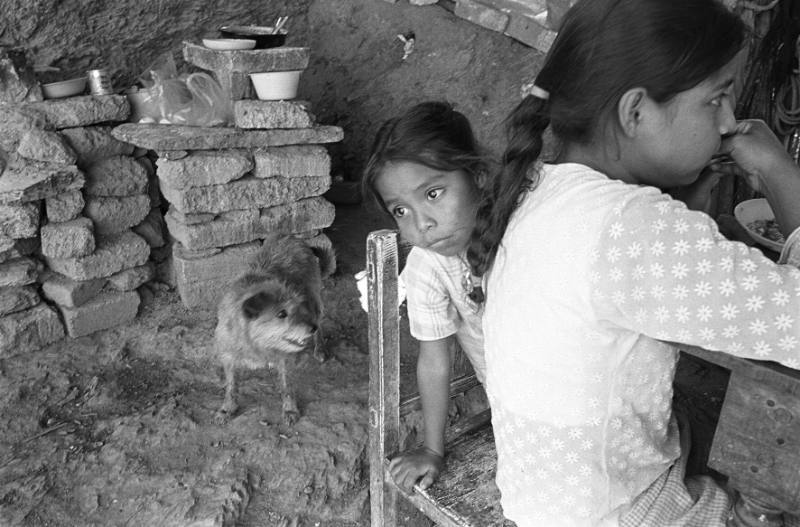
{"x": 433, "y": 209}
{"x": 682, "y": 135}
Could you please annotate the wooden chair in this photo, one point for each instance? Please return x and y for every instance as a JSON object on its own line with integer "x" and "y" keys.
{"x": 465, "y": 494}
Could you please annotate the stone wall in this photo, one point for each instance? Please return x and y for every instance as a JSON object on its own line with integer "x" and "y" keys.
{"x": 357, "y": 76}
{"x": 70, "y": 195}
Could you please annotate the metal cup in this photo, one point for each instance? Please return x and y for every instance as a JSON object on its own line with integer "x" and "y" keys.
{"x": 99, "y": 82}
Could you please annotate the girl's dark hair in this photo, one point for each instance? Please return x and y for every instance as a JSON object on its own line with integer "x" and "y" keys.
{"x": 431, "y": 134}
{"x": 603, "y": 49}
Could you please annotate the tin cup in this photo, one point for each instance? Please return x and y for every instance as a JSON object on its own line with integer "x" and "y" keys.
{"x": 99, "y": 82}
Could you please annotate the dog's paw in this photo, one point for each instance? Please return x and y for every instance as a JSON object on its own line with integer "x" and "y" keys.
{"x": 290, "y": 418}
{"x": 320, "y": 351}
{"x": 225, "y": 412}
{"x": 290, "y": 412}
{"x": 321, "y": 354}
{"x": 222, "y": 417}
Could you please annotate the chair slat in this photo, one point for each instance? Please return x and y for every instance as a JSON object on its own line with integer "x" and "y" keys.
{"x": 384, "y": 373}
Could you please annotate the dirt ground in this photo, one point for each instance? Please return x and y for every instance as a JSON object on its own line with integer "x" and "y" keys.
{"x": 116, "y": 429}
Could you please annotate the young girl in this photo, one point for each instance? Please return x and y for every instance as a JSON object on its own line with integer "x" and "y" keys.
{"x": 594, "y": 269}
{"x": 424, "y": 171}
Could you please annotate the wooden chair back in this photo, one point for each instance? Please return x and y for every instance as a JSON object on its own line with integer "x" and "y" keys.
{"x": 459, "y": 498}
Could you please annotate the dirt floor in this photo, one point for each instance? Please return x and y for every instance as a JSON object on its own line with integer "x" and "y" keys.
{"x": 116, "y": 429}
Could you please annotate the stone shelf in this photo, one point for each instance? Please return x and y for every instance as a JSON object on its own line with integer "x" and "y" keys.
{"x": 161, "y": 137}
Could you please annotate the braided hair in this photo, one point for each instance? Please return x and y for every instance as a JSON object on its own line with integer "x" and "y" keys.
{"x": 603, "y": 49}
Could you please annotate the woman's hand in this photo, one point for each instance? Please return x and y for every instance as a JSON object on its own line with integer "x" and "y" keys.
{"x": 758, "y": 155}
{"x": 421, "y": 465}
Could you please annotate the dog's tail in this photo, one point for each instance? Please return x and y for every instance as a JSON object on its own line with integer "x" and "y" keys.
{"x": 327, "y": 259}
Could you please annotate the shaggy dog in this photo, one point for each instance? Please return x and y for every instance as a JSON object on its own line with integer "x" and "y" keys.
{"x": 271, "y": 312}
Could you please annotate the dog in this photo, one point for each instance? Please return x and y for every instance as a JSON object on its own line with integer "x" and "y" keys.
{"x": 270, "y": 313}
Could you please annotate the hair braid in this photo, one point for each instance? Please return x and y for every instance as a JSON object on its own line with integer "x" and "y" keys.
{"x": 499, "y": 201}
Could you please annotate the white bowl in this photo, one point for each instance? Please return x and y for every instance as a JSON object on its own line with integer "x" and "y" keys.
{"x": 56, "y": 90}
{"x": 228, "y": 44}
{"x": 276, "y": 85}
{"x": 752, "y": 210}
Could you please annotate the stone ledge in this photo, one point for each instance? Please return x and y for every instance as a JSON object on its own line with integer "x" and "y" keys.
{"x": 160, "y": 137}
{"x": 245, "y": 193}
{"x": 256, "y": 114}
{"x": 85, "y": 110}
{"x": 247, "y": 61}
{"x": 38, "y": 181}
{"x": 233, "y": 229}
{"x": 29, "y": 330}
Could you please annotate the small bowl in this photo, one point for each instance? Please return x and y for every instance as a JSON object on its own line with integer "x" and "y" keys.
{"x": 261, "y": 34}
{"x": 68, "y": 88}
{"x": 752, "y": 210}
{"x": 229, "y": 44}
{"x": 276, "y": 85}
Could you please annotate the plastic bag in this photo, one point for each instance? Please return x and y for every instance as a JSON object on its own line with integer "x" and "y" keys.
{"x": 194, "y": 99}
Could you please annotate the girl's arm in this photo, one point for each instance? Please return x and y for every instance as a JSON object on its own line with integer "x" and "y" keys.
{"x": 424, "y": 464}
{"x": 433, "y": 380}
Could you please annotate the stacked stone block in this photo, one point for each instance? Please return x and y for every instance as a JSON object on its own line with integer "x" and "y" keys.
{"x": 70, "y": 197}
{"x": 229, "y": 188}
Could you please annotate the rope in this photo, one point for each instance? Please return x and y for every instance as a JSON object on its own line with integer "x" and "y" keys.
{"x": 787, "y": 101}
{"x": 758, "y": 8}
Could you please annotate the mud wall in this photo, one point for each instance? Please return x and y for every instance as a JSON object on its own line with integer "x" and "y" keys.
{"x": 357, "y": 76}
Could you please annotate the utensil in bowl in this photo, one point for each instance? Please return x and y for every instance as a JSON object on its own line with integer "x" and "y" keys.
{"x": 753, "y": 210}
{"x": 67, "y": 88}
{"x": 276, "y": 28}
{"x": 263, "y": 35}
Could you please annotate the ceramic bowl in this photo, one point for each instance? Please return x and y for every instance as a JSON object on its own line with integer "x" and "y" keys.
{"x": 276, "y": 85}
{"x": 261, "y": 34}
{"x": 229, "y": 44}
{"x": 68, "y": 88}
{"x": 753, "y": 210}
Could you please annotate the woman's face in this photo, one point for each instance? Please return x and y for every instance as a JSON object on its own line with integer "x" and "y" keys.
{"x": 434, "y": 209}
{"x": 682, "y": 135}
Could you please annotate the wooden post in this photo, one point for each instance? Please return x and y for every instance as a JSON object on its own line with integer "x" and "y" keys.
{"x": 384, "y": 371}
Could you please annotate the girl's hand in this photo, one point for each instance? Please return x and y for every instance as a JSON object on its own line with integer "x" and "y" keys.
{"x": 421, "y": 465}
{"x": 758, "y": 154}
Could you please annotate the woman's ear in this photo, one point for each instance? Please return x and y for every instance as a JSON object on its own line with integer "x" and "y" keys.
{"x": 630, "y": 110}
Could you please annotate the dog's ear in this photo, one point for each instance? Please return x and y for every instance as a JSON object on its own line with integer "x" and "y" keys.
{"x": 253, "y": 306}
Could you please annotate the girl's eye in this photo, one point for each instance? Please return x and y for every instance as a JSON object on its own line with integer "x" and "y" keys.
{"x": 399, "y": 212}
{"x": 434, "y": 193}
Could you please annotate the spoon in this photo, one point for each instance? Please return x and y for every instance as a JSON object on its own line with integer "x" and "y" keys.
{"x": 279, "y": 24}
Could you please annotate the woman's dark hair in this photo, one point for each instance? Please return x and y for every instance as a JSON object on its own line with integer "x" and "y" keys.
{"x": 603, "y": 49}
{"x": 431, "y": 134}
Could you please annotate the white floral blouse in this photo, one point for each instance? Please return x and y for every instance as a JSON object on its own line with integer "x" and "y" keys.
{"x": 591, "y": 276}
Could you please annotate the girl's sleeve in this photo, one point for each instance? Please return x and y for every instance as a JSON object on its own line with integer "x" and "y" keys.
{"x": 431, "y": 314}
{"x": 665, "y": 271}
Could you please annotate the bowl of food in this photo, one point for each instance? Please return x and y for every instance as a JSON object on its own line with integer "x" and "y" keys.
{"x": 67, "y": 88}
{"x": 756, "y": 216}
{"x": 264, "y": 36}
{"x": 276, "y": 85}
{"x": 229, "y": 44}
